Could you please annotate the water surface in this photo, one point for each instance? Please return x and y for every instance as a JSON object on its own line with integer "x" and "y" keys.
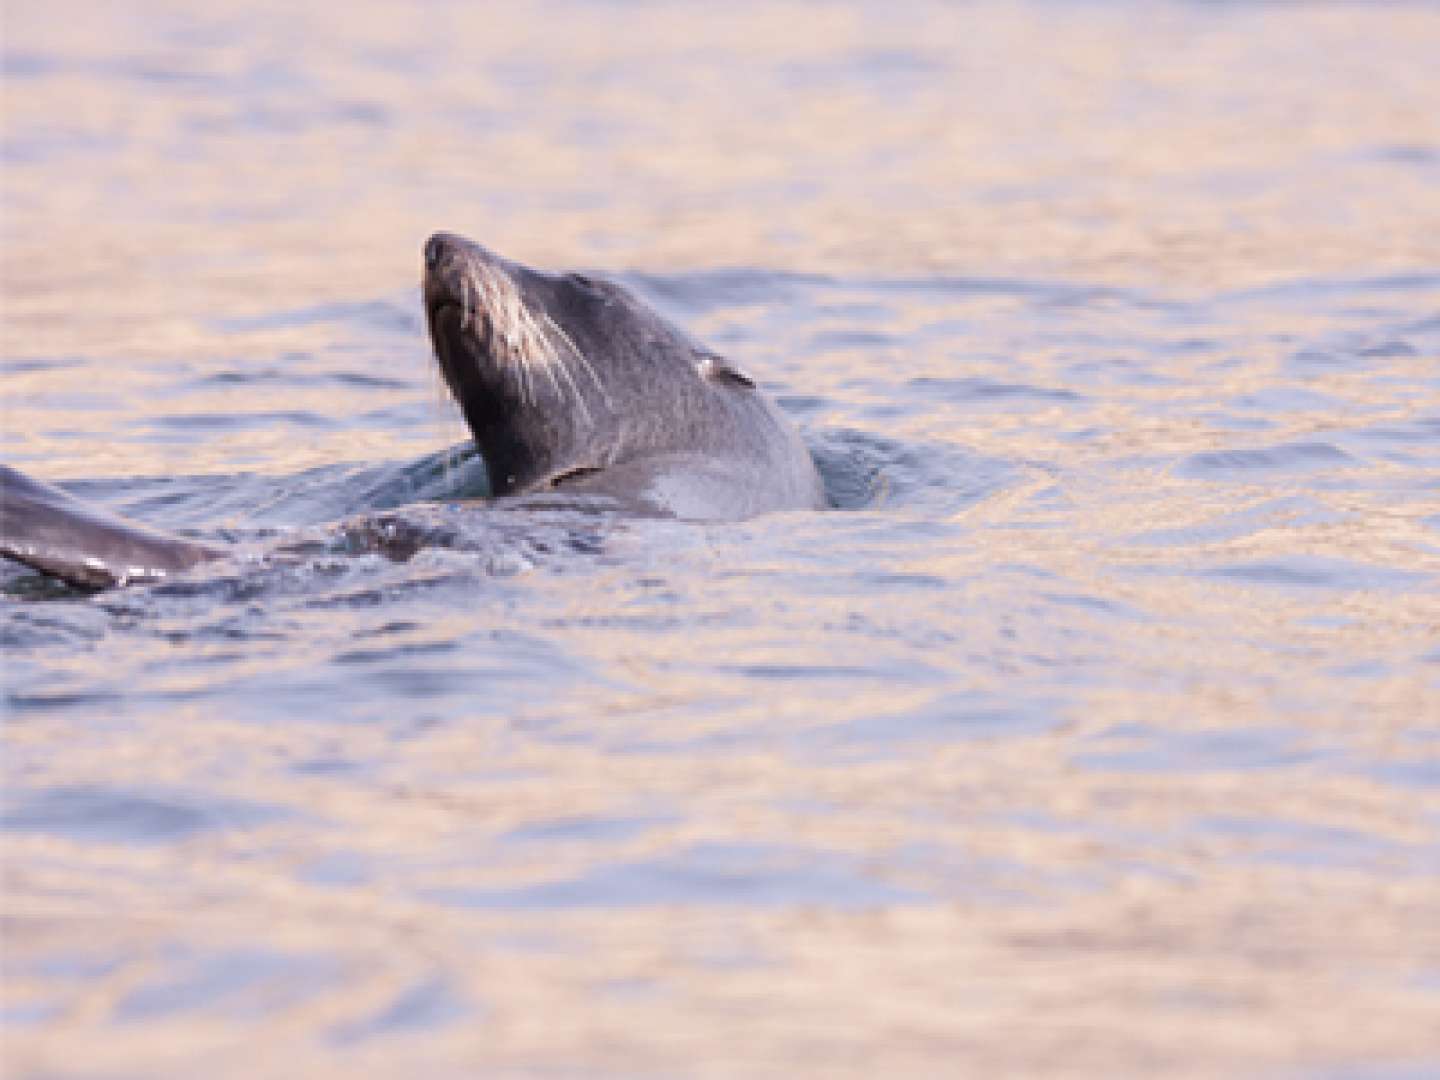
{"x": 1094, "y": 733}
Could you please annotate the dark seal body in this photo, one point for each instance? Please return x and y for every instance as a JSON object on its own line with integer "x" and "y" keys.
{"x": 571, "y": 386}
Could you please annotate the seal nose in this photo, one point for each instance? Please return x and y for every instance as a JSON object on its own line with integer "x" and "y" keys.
{"x": 435, "y": 249}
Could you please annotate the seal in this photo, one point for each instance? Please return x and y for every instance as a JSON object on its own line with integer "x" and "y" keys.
{"x": 570, "y": 385}
{"x": 572, "y": 382}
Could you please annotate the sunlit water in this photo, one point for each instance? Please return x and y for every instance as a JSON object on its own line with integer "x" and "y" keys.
{"x": 1094, "y": 732}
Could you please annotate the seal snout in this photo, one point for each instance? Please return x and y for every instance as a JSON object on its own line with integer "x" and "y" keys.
{"x": 442, "y": 284}
{"x": 455, "y": 270}
{"x": 480, "y": 316}
{"x": 434, "y": 251}
{"x": 441, "y": 248}
{"x": 442, "y": 253}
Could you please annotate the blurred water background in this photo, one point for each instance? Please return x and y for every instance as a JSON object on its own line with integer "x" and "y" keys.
{"x": 1095, "y": 734}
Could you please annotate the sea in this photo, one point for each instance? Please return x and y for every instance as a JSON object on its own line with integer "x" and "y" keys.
{"x": 1094, "y": 731}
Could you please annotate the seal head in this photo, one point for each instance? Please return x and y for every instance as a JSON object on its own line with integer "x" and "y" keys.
{"x": 567, "y": 380}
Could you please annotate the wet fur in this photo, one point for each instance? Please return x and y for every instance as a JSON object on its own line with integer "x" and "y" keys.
{"x": 567, "y": 380}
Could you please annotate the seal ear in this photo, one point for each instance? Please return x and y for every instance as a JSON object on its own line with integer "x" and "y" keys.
{"x": 718, "y": 369}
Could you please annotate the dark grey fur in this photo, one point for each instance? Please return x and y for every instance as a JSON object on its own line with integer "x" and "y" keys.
{"x": 600, "y": 394}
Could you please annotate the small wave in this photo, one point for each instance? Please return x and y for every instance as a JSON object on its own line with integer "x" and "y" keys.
{"x": 112, "y": 815}
{"x": 862, "y": 470}
{"x": 1313, "y": 571}
{"x": 709, "y": 874}
{"x": 372, "y": 314}
{"x": 989, "y": 391}
{"x": 1285, "y": 458}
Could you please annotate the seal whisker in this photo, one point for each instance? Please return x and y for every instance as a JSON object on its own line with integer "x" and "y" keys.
{"x": 522, "y": 375}
{"x": 574, "y": 391}
{"x": 582, "y": 360}
{"x": 521, "y": 361}
{"x": 557, "y": 361}
{"x": 469, "y": 303}
{"x": 518, "y": 338}
{"x": 549, "y": 370}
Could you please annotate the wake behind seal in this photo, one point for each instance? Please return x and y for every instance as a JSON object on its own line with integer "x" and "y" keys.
{"x": 569, "y": 384}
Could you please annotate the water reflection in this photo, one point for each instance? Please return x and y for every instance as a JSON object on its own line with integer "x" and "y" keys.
{"x": 1101, "y": 709}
